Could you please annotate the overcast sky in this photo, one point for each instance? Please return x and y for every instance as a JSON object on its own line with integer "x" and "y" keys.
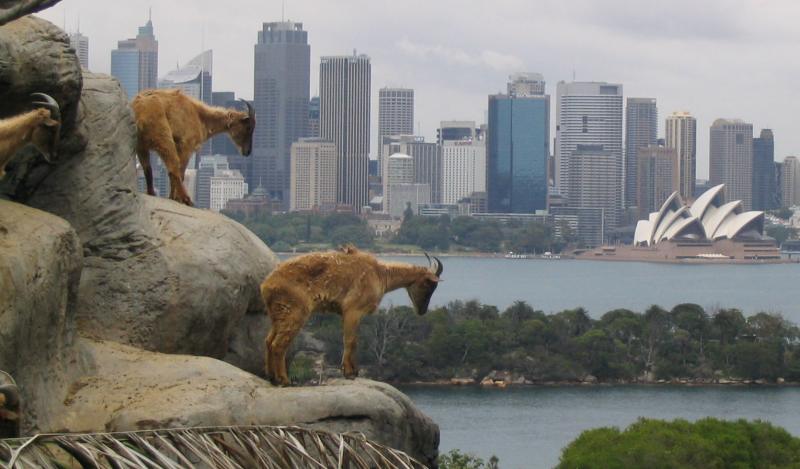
{"x": 714, "y": 58}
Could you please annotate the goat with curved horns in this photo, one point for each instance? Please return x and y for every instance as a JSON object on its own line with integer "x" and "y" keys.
{"x": 40, "y": 127}
{"x": 175, "y": 125}
{"x": 347, "y": 282}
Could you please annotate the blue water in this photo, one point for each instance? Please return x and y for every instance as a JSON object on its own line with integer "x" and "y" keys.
{"x": 527, "y": 427}
{"x": 602, "y": 286}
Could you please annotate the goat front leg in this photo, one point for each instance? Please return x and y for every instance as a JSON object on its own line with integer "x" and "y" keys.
{"x": 350, "y": 326}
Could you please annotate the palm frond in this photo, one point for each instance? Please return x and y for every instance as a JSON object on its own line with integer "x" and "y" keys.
{"x": 241, "y": 447}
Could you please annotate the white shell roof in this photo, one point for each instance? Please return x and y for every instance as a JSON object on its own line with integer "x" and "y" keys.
{"x": 708, "y": 214}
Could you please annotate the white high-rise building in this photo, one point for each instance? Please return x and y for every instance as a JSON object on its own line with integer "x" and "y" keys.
{"x": 731, "y": 159}
{"x": 226, "y": 184}
{"x": 399, "y": 169}
{"x": 681, "y": 134}
{"x": 344, "y": 93}
{"x": 790, "y": 181}
{"x": 313, "y": 175}
{"x": 587, "y": 113}
{"x": 526, "y": 84}
{"x": 80, "y": 43}
{"x": 395, "y": 113}
{"x": 463, "y": 161}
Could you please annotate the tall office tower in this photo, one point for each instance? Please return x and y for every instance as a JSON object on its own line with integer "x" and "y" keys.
{"x": 427, "y": 160}
{"x": 522, "y": 85}
{"x": 681, "y": 134}
{"x": 313, "y": 175}
{"x": 518, "y": 146}
{"x": 194, "y": 79}
{"x": 282, "y": 67}
{"x": 790, "y": 181}
{"x": 395, "y": 113}
{"x": 658, "y": 177}
{"x": 595, "y": 180}
{"x": 399, "y": 169}
{"x": 731, "y": 159}
{"x": 313, "y": 117}
{"x": 463, "y": 160}
{"x": 641, "y": 129}
{"x": 80, "y": 43}
{"x": 765, "y": 190}
{"x": 344, "y": 83}
{"x": 587, "y": 113}
{"x": 135, "y": 61}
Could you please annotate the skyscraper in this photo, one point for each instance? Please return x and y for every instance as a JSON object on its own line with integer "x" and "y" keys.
{"x": 399, "y": 169}
{"x": 641, "y": 129}
{"x": 313, "y": 175}
{"x": 135, "y": 61}
{"x": 463, "y": 161}
{"x": 681, "y": 134}
{"x": 395, "y": 113}
{"x": 658, "y": 177}
{"x": 587, "y": 113}
{"x": 731, "y": 159}
{"x": 80, "y": 43}
{"x": 765, "y": 190}
{"x": 790, "y": 181}
{"x": 595, "y": 181}
{"x": 427, "y": 161}
{"x": 313, "y": 117}
{"x": 282, "y": 67}
{"x": 194, "y": 79}
{"x": 344, "y": 83}
{"x": 518, "y": 146}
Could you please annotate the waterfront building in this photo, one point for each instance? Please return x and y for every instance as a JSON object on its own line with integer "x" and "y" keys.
{"x": 282, "y": 77}
{"x": 225, "y": 185}
{"x": 731, "y": 159}
{"x": 641, "y": 130}
{"x": 595, "y": 182}
{"x": 681, "y": 134}
{"x": 80, "y": 43}
{"x": 587, "y": 113}
{"x": 399, "y": 169}
{"x": 790, "y": 181}
{"x": 518, "y": 147}
{"x": 404, "y": 196}
{"x": 135, "y": 61}
{"x": 586, "y": 223}
{"x": 765, "y": 188}
{"x": 463, "y": 160}
{"x": 345, "y": 120}
{"x": 313, "y": 175}
{"x": 658, "y": 177}
{"x": 395, "y": 113}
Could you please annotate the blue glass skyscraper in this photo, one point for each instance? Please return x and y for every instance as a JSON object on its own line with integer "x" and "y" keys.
{"x": 518, "y": 146}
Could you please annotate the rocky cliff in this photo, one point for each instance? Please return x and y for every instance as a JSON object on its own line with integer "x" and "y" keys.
{"x": 115, "y": 306}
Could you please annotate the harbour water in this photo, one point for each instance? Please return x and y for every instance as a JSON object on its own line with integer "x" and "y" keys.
{"x": 527, "y": 427}
{"x": 554, "y": 285}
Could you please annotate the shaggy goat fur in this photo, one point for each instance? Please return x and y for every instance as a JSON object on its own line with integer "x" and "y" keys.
{"x": 40, "y": 127}
{"x": 175, "y": 125}
{"x": 347, "y": 282}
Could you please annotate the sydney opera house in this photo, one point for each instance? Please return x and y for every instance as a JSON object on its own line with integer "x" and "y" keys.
{"x": 708, "y": 230}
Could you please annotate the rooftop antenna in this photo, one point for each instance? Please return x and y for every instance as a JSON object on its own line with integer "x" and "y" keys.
{"x": 150, "y": 14}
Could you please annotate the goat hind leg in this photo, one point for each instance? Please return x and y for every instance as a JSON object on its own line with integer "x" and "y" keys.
{"x": 269, "y": 363}
{"x": 147, "y": 169}
{"x": 350, "y": 328}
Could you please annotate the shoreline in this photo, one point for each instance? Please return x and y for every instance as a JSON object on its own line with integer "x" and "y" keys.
{"x": 573, "y": 384}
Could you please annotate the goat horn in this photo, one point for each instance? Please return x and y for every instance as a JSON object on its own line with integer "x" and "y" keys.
{"x": 439, "y": 266}
{"x": 250, "y": 111}
{"x": 48, "y": 103}
{"x": 427, "y": 257}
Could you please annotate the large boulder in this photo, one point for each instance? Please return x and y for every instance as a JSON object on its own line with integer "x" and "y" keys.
{"x": 126, "y": 388}
{"x": 40, "y": 265}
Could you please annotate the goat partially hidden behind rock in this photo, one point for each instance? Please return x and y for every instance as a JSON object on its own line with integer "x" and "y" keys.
{"x": 40, "y": 127}
{"x": 347, "y": 282}
{"x": 175, "y": 125}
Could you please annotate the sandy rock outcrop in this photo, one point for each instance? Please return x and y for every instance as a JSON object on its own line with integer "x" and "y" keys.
{"x": 40, "y": 264}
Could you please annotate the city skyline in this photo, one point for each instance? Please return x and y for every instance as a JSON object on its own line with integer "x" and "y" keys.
{"x": 695, "y": 69}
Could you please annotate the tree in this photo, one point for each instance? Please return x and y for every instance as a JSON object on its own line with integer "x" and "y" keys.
{"x": 455, "y": 459}
{"x": 781, "y": 233}
{"x": 707, "y": 443}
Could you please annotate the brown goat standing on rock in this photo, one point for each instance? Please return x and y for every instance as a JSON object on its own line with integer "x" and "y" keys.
{"x": 175, "y": 125}
{"x": 40, "y": 127}
{"x": 348, "y": 282}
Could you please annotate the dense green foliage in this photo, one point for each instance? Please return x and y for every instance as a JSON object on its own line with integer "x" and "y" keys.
{"x": 707, "y": 443}
{"x": 781, "y": 233}
{"x": 471, "y": 339}
{"x": 307, "y": 231}
{"x": 782, "y": 213}
{"x": 455, "y": 459}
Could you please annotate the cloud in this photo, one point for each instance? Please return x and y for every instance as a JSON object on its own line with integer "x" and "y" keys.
{"x": 455, "y": 56}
